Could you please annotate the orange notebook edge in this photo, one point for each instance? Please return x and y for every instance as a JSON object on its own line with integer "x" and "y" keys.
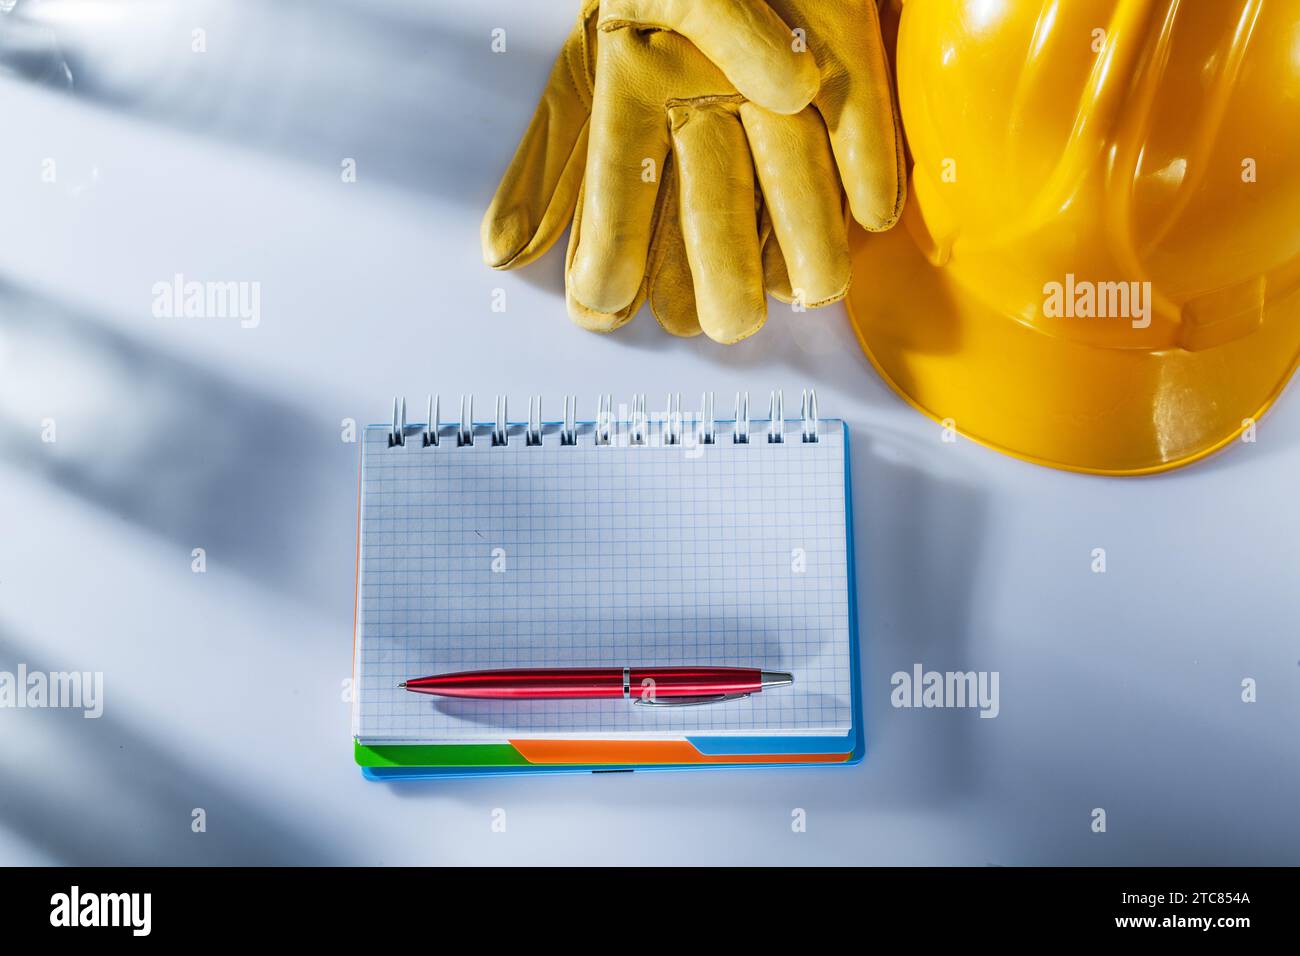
{"x": 649, "y": 752}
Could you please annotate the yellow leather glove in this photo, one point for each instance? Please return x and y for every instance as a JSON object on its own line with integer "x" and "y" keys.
{"x": 657, "y": 96}
{"x": 854, "y": 93}
{"x": 696, "y": 256}
{"x": 542, "y": 189}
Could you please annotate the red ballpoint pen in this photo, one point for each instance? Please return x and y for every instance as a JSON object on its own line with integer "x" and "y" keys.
{"x": 663, "y": 686}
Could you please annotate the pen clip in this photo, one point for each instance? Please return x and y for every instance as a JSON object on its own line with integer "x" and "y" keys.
{"x": 690, "y": 701}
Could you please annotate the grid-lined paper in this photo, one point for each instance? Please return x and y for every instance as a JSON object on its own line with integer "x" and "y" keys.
{"x": 480, "y": 557}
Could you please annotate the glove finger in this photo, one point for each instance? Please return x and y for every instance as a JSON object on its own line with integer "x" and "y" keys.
{"x": 776, "y": 277}
{"x": 749, "y": 42}
{"x": 858, "y": 107}
{"x": 626, "y": 149}
{"x": 589, "y": 318}
{"x": 719, "y": 225}
{"x": 670, "y": 286}
{"x": 535, "y": 199}
{"x": 802, "y": 196}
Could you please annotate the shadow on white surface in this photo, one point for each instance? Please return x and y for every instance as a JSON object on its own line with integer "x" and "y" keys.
{"x": 99, "y": 792}
{"x": 403, "y": 88}
{"x": 170, "y": 446}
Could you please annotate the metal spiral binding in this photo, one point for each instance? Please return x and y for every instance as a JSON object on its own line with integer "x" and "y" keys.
{"x": 398, "y": 435}
{"x": 569, "y": 433}
{"x": 604, "y": 419}
{"x": 434, "y": 422}
{"x": 706, "y": 431}
{"x": 533, "y": 434}
{"x": 605, "y": 428}
{"x": 740, "y": 428}
{"x": 465, "y": 430}
{"x": 672, "y": 431}
{"x": 808, "y": 414}
{"x": 501, "y": 430}
{"x": 776, "y": 417}
{"x": 640, "y": 422}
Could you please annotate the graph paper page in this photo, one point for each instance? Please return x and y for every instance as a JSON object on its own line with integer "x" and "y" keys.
{"x": 481, "y": 557}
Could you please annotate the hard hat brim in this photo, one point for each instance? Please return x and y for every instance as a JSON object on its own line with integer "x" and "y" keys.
{"x": 1043, "y": 398}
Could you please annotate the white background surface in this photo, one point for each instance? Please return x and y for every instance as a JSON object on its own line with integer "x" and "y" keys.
{"x": 223, "y": 690}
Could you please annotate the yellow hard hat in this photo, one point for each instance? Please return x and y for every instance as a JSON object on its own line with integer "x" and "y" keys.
{"x": 1098, "y": 266}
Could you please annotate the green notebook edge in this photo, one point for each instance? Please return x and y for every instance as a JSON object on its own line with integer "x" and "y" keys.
{"x": 438, "y": 755}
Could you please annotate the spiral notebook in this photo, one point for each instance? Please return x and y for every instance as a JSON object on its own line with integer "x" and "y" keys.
{"x": 631, "y": 539}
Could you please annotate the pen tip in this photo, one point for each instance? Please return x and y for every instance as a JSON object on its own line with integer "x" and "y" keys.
{"x": 402, "y": 684}
{"x": 775, "y": 679}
